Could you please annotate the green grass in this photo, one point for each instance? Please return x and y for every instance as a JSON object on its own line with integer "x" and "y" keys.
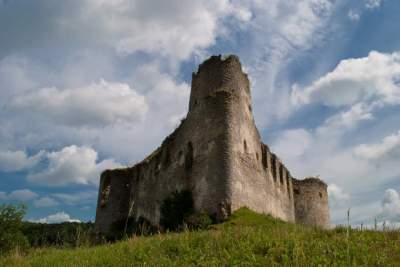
{"x": 246, "y": 239}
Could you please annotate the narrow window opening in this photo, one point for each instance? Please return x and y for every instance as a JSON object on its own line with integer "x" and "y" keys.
{"x": 264, "y": 157}
{"x": 257, "y": 156}
{"x": 189, "y": 157}
{"x": 296, "y": 191}
{"x": 180, "y": 156}
{"x": 245, "y": 146}
{"x": 273, "y": 167}
{"x": 320, "y": 194}
{"x": 250, "y": 109}
{"x": 281, "y": 173}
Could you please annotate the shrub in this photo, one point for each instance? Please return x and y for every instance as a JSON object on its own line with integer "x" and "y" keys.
{"x": 128, "y": 227}
{"x": 11, "y": 236}
{"x": 66, "y": 234}
{"x": 198, "y": 221}
{"x": 175, "y": 209}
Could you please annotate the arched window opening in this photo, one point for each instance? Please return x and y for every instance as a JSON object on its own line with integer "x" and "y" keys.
{"x": 245, "y": 146}
{"x": 257, "y": 156}
{"x": 320, "y": 194}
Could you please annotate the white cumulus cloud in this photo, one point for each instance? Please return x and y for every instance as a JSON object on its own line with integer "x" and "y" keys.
{"x": 368, "y": 79}
{"x": 391, "y": 205}
{"x": 26, "y": 195}
{"x": 292, "y": 143}
{"x": 22, "y": 195}
{"x": 344, "y": 120}
{"x": 173, "y": 29}
{"x": 97, "y": 104}
{"x": 11, "y": 161}
{"x": 278, "y": 33}
{"x": 337, "y": 196}
{"x": 70, "y": 165}
{"x": 389, "y": 144}
{"x": 58, "y": 217}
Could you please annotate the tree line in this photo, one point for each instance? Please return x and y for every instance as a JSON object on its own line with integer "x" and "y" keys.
{"x": 18, "y": 234}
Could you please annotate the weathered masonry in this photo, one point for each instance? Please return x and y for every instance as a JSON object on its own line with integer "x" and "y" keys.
{"x": 217, "y": 154}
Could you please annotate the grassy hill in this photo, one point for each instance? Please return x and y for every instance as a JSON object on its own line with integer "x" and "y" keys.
{"x": 246, "y": 239}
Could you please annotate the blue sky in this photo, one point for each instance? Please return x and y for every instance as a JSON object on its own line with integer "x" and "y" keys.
{"x": 93, "y": 84}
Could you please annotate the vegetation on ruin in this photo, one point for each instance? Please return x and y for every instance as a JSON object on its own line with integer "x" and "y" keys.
{"x": 246, "y": 239}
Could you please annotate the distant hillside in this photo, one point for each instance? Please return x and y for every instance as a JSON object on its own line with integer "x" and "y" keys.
{"x": 246, "y": 239}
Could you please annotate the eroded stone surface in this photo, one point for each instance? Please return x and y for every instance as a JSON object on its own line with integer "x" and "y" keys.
{"x": 217, "y": 154}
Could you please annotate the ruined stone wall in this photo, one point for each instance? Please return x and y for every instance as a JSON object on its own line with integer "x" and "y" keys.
{"x": 217, "y": 154}
{"x": 311, "y": 202}
{"x": 192, "y": 158}
{"x": 113, "y": 198}
{"x": 258, "y": 179}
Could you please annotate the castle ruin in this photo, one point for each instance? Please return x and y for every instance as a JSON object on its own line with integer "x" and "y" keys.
{"x": 217, "y": 154}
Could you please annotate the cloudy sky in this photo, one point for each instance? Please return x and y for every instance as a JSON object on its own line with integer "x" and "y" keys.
{"x": 87, "y": 85}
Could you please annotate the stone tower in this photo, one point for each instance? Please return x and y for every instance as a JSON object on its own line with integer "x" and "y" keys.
{"x": 217, "y": 154}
